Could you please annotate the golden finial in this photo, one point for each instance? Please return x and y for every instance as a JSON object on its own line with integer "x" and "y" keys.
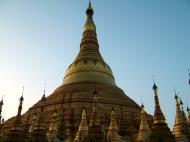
{"x": 22, "y": 98}
{"x": 44, "y": 93}
{"x": 89, "y": 25}
{"x": 142, "y": 106}
{"x": 176, "y": 96}
{"x": 154, "y": 86}
{"x": 44, "y": 88}
{"x": 89, "y": 10}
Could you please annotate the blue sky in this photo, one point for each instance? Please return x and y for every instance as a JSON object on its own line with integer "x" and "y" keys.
{"x": 137, "y": 38}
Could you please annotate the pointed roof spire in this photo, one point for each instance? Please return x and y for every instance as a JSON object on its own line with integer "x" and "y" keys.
{"x": 83, "y": 128}
{"x": 185, "y": 121}
{"x": 44, "y": 93}
{"x": 89, "y": 25}
{"x": 142, "y": 106}
{"x": 17, "y": 131}
{"x": 160, "y": 130}
{"x": 53, "y": 125}
{"x": 181, "y": 103}
{"x": 178, "y": 126}
{"x": 34, "y": 119}
{"x": 155, "y": 87}
{"x": 89, "y": 10}
{"x": 18, "y": 118}
{"x": 1, "y": 105}
{"x": 95, "y": 120}
{"x": 39, "y": 131}
{"x": 95, "y": 127}
{"x": 188, "y": 114}
{"x": 112, "y": 135}
{"x": 144, "y": 129}
{"x": 89, "y": 57}
{"x": 158, "y": 115}
{"x": 51, "y": 134}
{"x": 1, "y": 121}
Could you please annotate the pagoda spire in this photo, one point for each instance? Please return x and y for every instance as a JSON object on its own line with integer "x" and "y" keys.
{"x": 1, "y": 105}
{"x": 51, "y": 134}
{"x": 38, "y": 133}
{"x": 188, "y": 113}
{"x": 17, "y": 131}
{"x": 178, "y": 129}
{"x": 160, "y": 130}
{"x": 89, "y": 61}
{"x": 185, "y": 122}
{"x": 18, "y": 117}
{"x": 95, "y": 114}
{"x": 34, "y": 119}
{"x": 95, "y": 127}
{"x": 144, "y": 130}
{"x": 1, "y": 121}
{"x": 188, "y": 116}
{"x": 113, "y": 135}
{"x": 82, "y": 132}
{"x": 20, "y": 107}
{"x": 89, "y": 47}
{"x": 158, "y": 115}
{"x": 44, "y": 94}
{"x": 89, "y": 25}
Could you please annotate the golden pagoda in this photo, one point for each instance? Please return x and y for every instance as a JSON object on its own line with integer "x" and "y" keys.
{"x": 160, "y": 130}
{"x": 17, "y": 131}
{"x": 82, "y": 132}
{"x": 144, "y": 130}
{"x": 179, "y": 128}
{"x": 89, "y": 90}
{"x": 1, "y": 121}
{"x": 188, "y": 114}
{"x": 52, "y": 132}
{"x": 113, "y": 129}
{"x": 87, "y": 74}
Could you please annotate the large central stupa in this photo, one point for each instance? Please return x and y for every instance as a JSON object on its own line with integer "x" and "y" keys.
{"x": 88, "y": 83}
